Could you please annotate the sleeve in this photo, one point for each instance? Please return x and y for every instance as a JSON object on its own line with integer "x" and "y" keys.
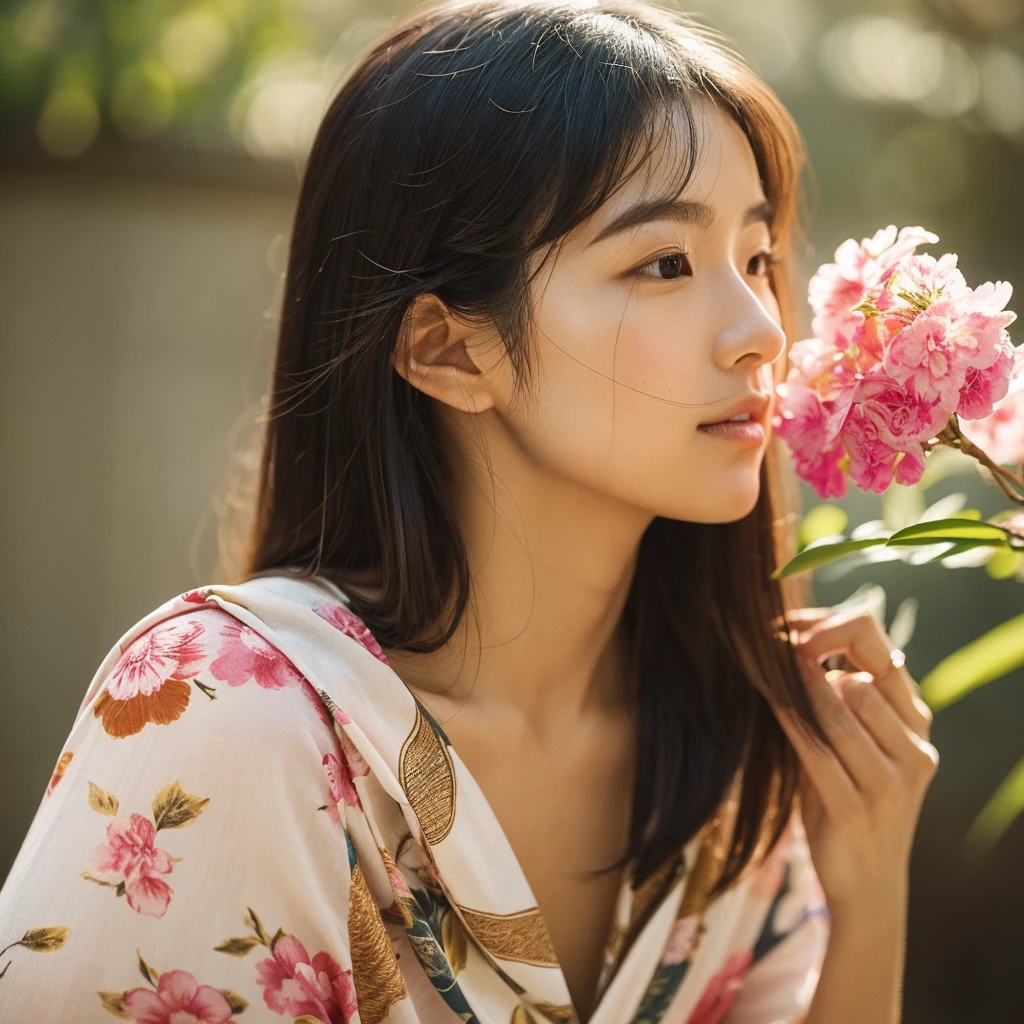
{"x": 187, "y": 860}
{"x": 787, "y": 956}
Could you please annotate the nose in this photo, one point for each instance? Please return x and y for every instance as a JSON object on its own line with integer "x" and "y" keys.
{"x": 751, "y": 332}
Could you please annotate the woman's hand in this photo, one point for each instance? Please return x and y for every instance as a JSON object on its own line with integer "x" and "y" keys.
{"x": 860, "y": 805}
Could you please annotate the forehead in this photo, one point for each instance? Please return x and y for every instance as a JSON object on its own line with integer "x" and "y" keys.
{"x": 724, "y": 172}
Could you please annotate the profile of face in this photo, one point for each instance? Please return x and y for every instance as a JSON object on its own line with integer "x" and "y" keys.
{"x": 641, "y": 335}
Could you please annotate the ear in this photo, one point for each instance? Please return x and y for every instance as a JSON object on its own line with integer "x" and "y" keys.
{"x": 442, "y": 357}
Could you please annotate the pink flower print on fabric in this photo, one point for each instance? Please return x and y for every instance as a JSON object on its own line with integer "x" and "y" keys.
{"x": 170, "y": 650}
{"x": 721, "y": 990}
{"x": 245, "y": 655}
{"x": 58, "y": 771}
{"x": 681, "y": 940}
{"x": 178, "y": 999}
{"x": 295, "y": 985}
{"x": 130, "y": 855}
{"x": 340, "y": 781}
{"x": 351, "y": 625}
{"x": 149, "y": 682}
{"x": 197, "y": 596}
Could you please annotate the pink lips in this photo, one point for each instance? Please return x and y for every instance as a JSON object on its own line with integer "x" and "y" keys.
{"x": 747, "y": 431}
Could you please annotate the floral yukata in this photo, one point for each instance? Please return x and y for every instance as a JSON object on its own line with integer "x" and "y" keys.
{"x": 253, "y": 819}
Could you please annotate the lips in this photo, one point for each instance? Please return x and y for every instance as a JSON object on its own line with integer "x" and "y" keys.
{"x": 753, "y": 403}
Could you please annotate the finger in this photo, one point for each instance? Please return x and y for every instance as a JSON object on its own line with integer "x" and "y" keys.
{"x": 868, "y": 647}
{"x": 800, "y": 617}
{"x": 865, "y": 762}
{"x": 836, "y": 790}
{"x": 899, "y": 742}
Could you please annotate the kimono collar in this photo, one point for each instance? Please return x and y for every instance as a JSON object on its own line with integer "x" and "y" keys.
{"x": 413, "y": 761}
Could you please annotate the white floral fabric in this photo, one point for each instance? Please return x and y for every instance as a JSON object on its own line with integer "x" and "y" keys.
{"x": 253, "y": 819}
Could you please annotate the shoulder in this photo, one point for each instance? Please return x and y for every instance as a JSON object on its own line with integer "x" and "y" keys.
{"x": 196, "y": 664}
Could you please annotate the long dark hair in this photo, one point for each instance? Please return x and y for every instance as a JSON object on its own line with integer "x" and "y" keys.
{"x": 467, "y": 141}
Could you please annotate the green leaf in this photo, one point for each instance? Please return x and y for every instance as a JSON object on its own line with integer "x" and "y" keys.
{"x": 1005, "y": 804}
{"x": 990, "y": 656}
{"x": 821, "y": 554}
{"x": 937, "y": 530}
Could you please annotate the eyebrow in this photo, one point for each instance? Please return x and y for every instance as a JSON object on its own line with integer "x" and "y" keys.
{"x": 683, "y": 210}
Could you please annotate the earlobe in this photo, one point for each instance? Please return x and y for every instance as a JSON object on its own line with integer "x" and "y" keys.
{"x": 433, "y": 356}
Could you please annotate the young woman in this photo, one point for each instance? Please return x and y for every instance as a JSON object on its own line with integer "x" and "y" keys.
{"x": 507, "y": 720}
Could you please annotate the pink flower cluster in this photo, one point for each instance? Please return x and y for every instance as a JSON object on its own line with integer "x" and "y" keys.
{"x": 178, "y": 999}
{"x": 130, "y": 856}
{"x": 900, "y": 344}
{"x": 295, "y": 984}
{"x": 1001, "y": 434}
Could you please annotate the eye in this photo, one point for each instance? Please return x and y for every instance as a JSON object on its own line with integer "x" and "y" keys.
{"x": 770, "y": 259}
{"x": 670, "y": 264}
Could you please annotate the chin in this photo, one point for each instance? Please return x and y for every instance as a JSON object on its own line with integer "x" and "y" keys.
{"x": 725, "y": 505}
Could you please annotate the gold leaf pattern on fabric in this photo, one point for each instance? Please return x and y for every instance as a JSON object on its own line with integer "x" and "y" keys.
{"x": 102, "y": 801}
{"x": 174, "y": 808}
{"x": 427, "y": 774}
{"x": 453, "y": 939}
{"x": 375, "y": 971}
{"x": 113, "y": 1003}
{"x": 521, "y": 1015}
{"x": 560, "y": 1013}
{"x": 522, "y": 936}
{"x": 402, "y": 911}
{"x": 710, "y": 859}
{"x": 45, "y": 940}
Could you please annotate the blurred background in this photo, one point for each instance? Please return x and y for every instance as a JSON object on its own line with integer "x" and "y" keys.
{"x": 150, "y": 154}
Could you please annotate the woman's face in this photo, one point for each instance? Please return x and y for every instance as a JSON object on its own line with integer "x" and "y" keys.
{"x": 644, "y": 333}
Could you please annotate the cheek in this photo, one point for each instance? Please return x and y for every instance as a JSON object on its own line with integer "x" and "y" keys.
{"x": 617, "y": 391}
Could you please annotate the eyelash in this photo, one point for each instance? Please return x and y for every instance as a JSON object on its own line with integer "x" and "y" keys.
{"x": 770, "y": 259}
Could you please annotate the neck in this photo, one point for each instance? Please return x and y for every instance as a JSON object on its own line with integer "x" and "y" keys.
{"x": 551, "y": 564}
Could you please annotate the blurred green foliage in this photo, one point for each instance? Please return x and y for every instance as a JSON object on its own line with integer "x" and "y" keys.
{"x": 145, "y": 68}
{"x": 255, "y": 75}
